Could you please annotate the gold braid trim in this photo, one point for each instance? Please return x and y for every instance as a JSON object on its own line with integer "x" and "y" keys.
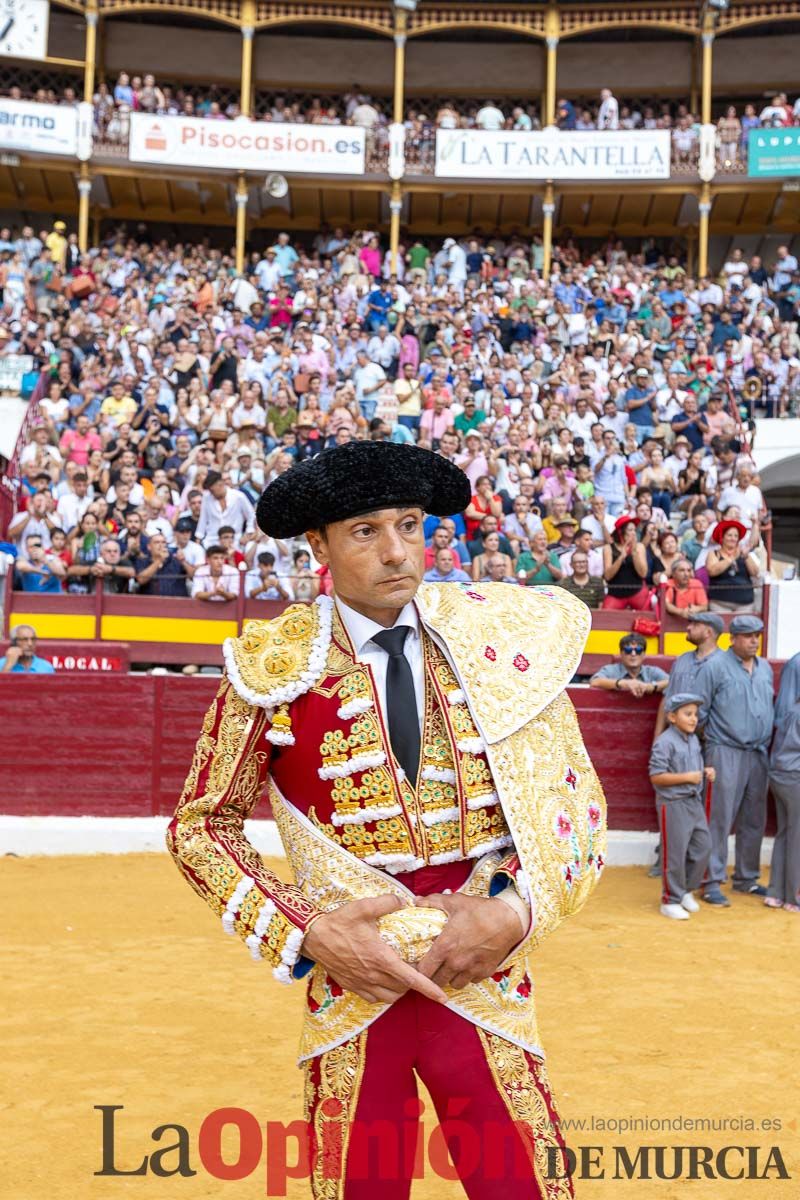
{"x": 340, "y": 1074}
{"x": 522, "y": 1083}
{"x": 206, "y": 835}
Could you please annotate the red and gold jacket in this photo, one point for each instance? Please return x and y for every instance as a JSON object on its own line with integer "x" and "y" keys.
{"x": 505, "y": 786}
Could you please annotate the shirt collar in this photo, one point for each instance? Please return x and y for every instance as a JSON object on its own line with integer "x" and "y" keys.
{"x": 361, "y": 629}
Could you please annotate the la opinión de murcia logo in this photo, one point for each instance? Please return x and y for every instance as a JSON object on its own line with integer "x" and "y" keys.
{"x": 407, "y": 1149}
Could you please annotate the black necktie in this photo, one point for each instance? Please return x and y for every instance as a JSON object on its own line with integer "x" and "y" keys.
{"x": 401, "y": 700}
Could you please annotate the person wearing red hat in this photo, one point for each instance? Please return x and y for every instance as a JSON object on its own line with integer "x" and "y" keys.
{"x": 625, "y": 568}
{"x": 731, "y": 570}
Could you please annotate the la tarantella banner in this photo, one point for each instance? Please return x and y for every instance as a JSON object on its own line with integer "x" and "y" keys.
{"x": 38, "y": 128}
{"x": 246, "y": 145}
{"x": 552, "y": 154}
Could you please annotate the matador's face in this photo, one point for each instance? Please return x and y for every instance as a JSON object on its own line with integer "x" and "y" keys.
{"x": 376, "y": 560}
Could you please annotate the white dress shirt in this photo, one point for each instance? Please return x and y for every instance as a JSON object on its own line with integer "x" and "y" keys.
{"x": 361, "y": 630}
{"x": 238, "y": 513}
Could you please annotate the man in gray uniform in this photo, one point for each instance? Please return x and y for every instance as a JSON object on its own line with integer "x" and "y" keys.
{"x": 789, "y": 690}
{"x": 703, "y": 631}
{"x": 677, "y": 774}
{"x": 784, "y": 781}
{"x": 737, "y": 689}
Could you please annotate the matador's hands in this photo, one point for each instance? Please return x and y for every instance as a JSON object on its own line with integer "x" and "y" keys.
{"x": 347, "y": 943}
{"x": 480, "y": 933}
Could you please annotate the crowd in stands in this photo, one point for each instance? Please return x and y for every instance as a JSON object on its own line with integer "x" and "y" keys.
{"x": 143, "y": 93}
{"x": 603, "y": 415}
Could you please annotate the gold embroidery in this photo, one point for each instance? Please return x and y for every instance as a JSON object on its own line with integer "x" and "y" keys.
{"x": 206, "y": 836}
{"x": 376, "y": 789}
{"x": 354, "y": 686}
{"x": 270, "y": 653}
{"x": 334, "y": 748}
{"x": 435, "y": 795}
{"x": 340, "y": 1075}
{"x": 514, "y": 650}
{"x": 523, "y": 1086}
{"x": 365, "y": 734}
{"x": 475, "y": 775}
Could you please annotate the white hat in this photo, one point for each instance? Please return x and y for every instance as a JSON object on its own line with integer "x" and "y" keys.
{"x": 449, "y": 242}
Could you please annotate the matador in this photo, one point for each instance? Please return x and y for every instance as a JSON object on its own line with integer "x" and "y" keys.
{"x": 440, "y": 816}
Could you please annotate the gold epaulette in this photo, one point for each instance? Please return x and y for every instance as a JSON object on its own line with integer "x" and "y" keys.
{"x": 274, "y": 662}
{"x": 514, "y": 648}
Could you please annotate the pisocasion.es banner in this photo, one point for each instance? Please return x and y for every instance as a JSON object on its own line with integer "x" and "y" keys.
{"x": 246, "y": 145}
{"x": 553, "y": 154}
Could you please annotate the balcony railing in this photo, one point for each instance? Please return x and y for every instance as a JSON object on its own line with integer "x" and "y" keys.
{"x": 420, "y": 155}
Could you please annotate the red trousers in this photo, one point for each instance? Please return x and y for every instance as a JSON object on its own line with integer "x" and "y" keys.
{"x": 496, "y": 1115}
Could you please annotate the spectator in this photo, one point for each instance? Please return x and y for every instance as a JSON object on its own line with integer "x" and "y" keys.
{"x": 540, "y": 564}
{"x": 188, "y": 553}
{"x": 588, "y": 588}
{"x": 625, "y": 568}
{"x": 731, "y": 569}
{"x": 215, "y": 580}
{"x": 594, "y": 558}
{"x": 40, "y": 570}
{"x": 684, "y": 596}
{"x": 608, "y": 116}
{"x": 264, "y": 583}
{"x": 497, "y": 570}
{"x": 444, "y": 569}
{"x": 223, "y": 504}
{"x": 159, "y": 571}
{"x": 631, "y": 673}
{"x": 305, "y": 584}
{"x": 21, "y": 658}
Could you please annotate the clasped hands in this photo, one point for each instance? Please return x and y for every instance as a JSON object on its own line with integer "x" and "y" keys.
{"x": 480, "y": 933}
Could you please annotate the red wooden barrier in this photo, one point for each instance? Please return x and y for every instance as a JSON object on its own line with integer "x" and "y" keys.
{"x": 121, "y": 745}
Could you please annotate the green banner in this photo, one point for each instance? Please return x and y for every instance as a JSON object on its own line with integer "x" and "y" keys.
{"x": 773, "y": 152}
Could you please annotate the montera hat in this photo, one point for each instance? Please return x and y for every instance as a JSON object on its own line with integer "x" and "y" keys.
{"x": 360, "y": 477}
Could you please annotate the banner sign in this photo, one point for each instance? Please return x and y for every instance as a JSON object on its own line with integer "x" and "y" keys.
{"x": 553, "y": 154}
{"x": 245, "y": 145}
{"x": 39, "y": 128}
{"x": 773, "y": 152}
{"x": 12, "y": 369}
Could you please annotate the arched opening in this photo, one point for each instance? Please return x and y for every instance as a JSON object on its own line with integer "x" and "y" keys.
{"x": 780, "y": 483}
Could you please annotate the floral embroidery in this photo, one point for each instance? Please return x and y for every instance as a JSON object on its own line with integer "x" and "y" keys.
{"x": 594, "y": 816}
{"x": 563, "y": 825}
{"x": 524, "y": 987}
{"x": 521, "y": 662}
{"x": 475, "y": 596}
{"x": 490, "y": 653}
{"x": 501, "y": 979}
{"x": 332, "y": 993}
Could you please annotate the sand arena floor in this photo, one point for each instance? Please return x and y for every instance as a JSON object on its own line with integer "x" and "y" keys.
{"x": 120, "y": 989}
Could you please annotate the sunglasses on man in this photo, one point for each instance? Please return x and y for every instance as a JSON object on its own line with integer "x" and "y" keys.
{"x": 632, "y": 649}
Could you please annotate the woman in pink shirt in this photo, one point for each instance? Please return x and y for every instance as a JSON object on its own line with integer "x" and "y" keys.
{"x": 370, "y": 258}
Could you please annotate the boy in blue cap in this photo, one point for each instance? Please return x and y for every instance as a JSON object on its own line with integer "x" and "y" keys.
{"x": 677, "y": 774}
